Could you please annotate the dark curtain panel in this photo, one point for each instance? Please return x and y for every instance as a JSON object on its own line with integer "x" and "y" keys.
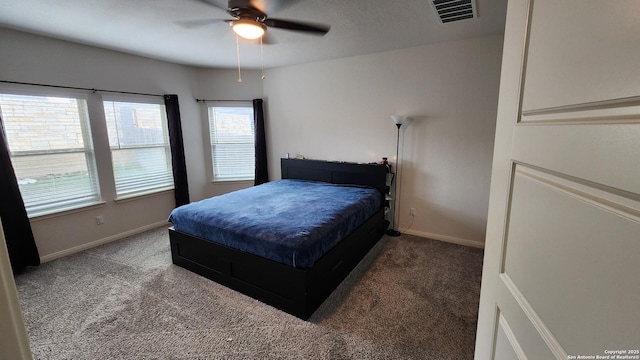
{"x": 262, "y": 173}
{"x": 178, "y": 161}
{"x": 17, "y": 228}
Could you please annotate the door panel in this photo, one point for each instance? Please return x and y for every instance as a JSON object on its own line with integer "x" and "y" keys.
{"x": 581, "y": 53}
{"x": 506, "y": 343}
{"x": 562, "y": 253}
{"x": 577, "y": 259}
{"x": 527, "y": 328}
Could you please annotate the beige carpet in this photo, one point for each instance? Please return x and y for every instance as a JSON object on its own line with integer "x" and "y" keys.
{"x": 410, "y": 298}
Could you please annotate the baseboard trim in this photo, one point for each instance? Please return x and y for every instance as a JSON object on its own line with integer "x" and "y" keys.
{"x": 75, "y": 249}
{"x": 446, "y": 238}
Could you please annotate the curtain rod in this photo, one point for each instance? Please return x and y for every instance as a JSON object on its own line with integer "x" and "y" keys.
{"x": 205, "y": 100}
{"x": 78, "y": 88}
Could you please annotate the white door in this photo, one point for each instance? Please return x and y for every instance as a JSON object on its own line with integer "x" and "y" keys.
{"x": 561, "y": 275}
{"x": 14, "y": 341}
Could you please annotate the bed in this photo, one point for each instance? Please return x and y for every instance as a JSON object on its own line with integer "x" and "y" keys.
{"x": 293, "y": 278}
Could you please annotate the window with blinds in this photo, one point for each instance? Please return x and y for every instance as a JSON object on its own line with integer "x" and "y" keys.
{"x": 140, "y": 152}
{"x": 231, "y": 129}
{"x": 51, "y": 151}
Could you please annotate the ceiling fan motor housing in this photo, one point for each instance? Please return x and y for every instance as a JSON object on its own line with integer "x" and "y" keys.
{"x": 244, "y": 10}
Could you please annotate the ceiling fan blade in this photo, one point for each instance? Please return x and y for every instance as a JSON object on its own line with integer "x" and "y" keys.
{"x": 313, "y": 28}
{"x": 192, "y": 24}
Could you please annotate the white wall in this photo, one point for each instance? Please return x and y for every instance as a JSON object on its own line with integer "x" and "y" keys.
{"x": 340, "y": 110}
{"x": 335, "y": 110}
{"x": 36, "y": 59}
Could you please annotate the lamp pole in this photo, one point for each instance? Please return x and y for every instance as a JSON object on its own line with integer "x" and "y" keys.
{"x": 393, "y": 231}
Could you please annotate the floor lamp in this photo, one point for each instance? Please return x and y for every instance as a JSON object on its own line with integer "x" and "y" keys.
{"x": 399, "y": 121}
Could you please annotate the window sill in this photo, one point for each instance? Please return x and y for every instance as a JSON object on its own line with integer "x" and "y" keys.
{"x": 227, "y": 181}
{"x": 142, "y": 195}
{"x": 65, "y": 211}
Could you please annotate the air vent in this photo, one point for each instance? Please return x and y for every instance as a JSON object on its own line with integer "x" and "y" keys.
{"x": 454, "y": 10}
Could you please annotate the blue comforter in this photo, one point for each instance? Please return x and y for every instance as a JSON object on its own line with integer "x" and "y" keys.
{"x": 290, "y": 221}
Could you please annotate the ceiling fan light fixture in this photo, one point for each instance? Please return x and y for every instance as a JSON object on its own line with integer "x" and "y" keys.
{"x": 248, "y": 29}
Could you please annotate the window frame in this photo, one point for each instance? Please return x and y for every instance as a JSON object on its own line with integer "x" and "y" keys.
{"x": 248, "y": 104}
{"x": 145, "y": 100}
{"x": 88, "y": 149}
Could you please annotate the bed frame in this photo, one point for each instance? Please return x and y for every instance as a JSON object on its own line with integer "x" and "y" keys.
{"x": 296, "y": 291}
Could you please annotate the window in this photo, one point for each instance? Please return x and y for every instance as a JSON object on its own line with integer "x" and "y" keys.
{"x": 231, "y": 130}
{"x": 139, "y": 142}
{"x": 51, "y": 151}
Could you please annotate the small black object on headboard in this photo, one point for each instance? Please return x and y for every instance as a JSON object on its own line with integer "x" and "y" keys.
{"x": 374, "y": 175}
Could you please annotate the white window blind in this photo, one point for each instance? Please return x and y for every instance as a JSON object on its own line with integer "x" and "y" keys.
{"x": 51, "y": 151}
{"x": 140, "y": 152}
{"x": 231, "y": 129}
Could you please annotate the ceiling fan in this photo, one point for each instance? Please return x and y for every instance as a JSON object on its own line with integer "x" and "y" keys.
{"x": 250, "y": 20}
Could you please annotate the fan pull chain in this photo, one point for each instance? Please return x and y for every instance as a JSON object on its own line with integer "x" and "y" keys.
{"x": 238, "y": 53}
{"x": 262, "y": 58}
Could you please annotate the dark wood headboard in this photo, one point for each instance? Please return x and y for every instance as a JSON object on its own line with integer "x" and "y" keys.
{"x": 336, "y": 172}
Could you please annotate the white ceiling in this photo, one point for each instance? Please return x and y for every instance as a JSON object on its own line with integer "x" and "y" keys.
{"x": 155, "y": 28}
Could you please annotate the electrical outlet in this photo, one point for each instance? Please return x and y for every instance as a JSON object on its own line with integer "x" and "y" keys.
{"x": 412, "y": 211}
{"x": 100, "y": 219}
